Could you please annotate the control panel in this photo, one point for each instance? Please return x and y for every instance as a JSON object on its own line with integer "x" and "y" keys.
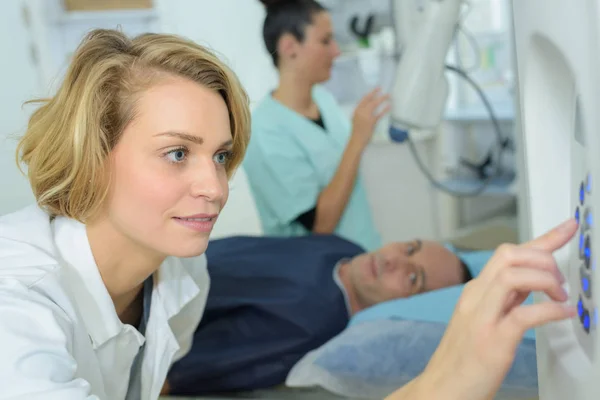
{"x": 583, "y": 263}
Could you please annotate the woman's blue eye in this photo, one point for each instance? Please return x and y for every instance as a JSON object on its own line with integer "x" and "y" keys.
{"x": 222, "y": 158}
{"x": 176, "y": 156}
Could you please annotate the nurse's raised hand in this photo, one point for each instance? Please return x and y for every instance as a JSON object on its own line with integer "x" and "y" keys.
{"x": 368, "y": 111}
{"x": 490, "y": 320}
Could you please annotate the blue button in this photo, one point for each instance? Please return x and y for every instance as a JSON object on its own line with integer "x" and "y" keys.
{"x": 585, "y": 284}
{"x": 587, "y": 252}
{"x": 586, "y": 322}
{"x": 580, "y": 308}
{"x": 581, "y": 194}
{"x": 581, "y": 242}
{"x": 588, "y": 185}
{"x": 588, "y": 219}
{"x": 577, "y": 215}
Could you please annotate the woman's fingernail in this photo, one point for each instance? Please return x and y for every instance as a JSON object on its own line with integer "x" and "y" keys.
{"x": 572, "y": 310}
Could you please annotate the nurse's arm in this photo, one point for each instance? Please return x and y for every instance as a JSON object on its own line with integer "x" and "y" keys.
{"x": 333, "y": 199}
{"x": 35, "y": 338}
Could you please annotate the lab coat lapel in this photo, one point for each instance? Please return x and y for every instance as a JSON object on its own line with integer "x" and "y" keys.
{"x": 168, "y": 300}
{"x": 161, "y": 347}
{"x": 85, "y": 282}
{"x": 110, "y": 339}
{"x": 173, "y": 290}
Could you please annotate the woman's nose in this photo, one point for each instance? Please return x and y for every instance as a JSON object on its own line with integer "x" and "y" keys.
{"x": 336, "y": 50}
{"x": 207, "y": 182}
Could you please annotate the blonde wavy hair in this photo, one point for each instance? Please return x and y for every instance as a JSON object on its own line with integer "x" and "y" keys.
{"x": 68, "y": 139}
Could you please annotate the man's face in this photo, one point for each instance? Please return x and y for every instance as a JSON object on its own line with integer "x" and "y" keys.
{"x": 400, "y": 270}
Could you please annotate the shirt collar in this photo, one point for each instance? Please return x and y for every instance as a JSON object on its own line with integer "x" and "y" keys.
{"x": 174, "y": 287}
{"x": 338, "y": 281}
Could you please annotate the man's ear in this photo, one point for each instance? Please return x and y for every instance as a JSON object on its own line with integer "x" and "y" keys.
{"x": 288, "y": 46}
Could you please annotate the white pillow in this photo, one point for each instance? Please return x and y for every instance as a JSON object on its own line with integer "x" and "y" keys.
{"x": 240, "y": 215}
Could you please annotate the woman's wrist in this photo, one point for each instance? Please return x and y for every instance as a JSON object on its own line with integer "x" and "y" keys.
{"x": 416, "y": 389}
{"x": 356, "y": 144}
{"x": 427, "y": 387}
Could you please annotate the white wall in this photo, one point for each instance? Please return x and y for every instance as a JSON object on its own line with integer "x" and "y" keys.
{"x": 233, "y": 28}
{"x": 18, "y": 83}
{"x": 404, "y": 203}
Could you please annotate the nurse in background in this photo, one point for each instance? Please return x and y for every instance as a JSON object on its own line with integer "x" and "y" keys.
{"x": 303, "y": 161}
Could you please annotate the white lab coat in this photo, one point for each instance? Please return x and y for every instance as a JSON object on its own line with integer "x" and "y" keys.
{"x": 60, "y": 337}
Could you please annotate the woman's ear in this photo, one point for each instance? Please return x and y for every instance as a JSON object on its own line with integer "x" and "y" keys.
{"x": 288, "y": 47}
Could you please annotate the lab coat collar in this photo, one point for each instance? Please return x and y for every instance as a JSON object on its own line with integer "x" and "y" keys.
{"x": 174, "y": 287}
{"x": 29, "y": 232}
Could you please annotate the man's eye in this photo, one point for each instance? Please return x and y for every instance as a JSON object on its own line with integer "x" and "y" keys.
{"x": 413, "y": 278}
{"x": 413, "y": 247}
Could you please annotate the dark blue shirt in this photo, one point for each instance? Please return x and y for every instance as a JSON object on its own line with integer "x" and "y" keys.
{"x": 271, "y": 301}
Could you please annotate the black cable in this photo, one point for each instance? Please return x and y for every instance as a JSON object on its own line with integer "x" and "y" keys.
{"x": 500, "y": 145}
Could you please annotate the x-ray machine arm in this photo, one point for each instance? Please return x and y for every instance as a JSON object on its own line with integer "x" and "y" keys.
{"x": 424, "y": 32}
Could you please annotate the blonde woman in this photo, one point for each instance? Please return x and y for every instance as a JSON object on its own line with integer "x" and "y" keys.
{"x": 104, "y": 281}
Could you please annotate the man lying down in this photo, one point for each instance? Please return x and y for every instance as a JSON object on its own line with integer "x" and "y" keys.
{"x": 273, "y": 300}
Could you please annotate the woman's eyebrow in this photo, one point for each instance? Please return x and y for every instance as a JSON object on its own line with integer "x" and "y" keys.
{"x": 191, "y": 138}
{"x": 182, "y": 135}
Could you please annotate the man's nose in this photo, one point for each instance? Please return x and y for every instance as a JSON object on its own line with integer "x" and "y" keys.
{"x": 396, "y": 263}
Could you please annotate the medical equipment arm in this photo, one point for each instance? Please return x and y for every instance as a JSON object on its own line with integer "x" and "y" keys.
{"x": 424, "y": 32}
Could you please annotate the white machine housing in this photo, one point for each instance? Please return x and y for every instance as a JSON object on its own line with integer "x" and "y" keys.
{"x": 558, "y": 63}
{"x": 424, "y": 32}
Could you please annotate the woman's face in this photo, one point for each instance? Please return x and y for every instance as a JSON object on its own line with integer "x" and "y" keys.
{"x": 317, "y": 52}
{"x": 169, "y": 176}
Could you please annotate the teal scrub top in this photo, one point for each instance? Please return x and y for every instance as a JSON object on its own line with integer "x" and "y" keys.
{"x": 291, "y": 159}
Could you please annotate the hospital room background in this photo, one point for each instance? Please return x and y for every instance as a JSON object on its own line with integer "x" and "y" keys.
{"x": 463, "y": 154}
{"x": 38, "y": 35}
